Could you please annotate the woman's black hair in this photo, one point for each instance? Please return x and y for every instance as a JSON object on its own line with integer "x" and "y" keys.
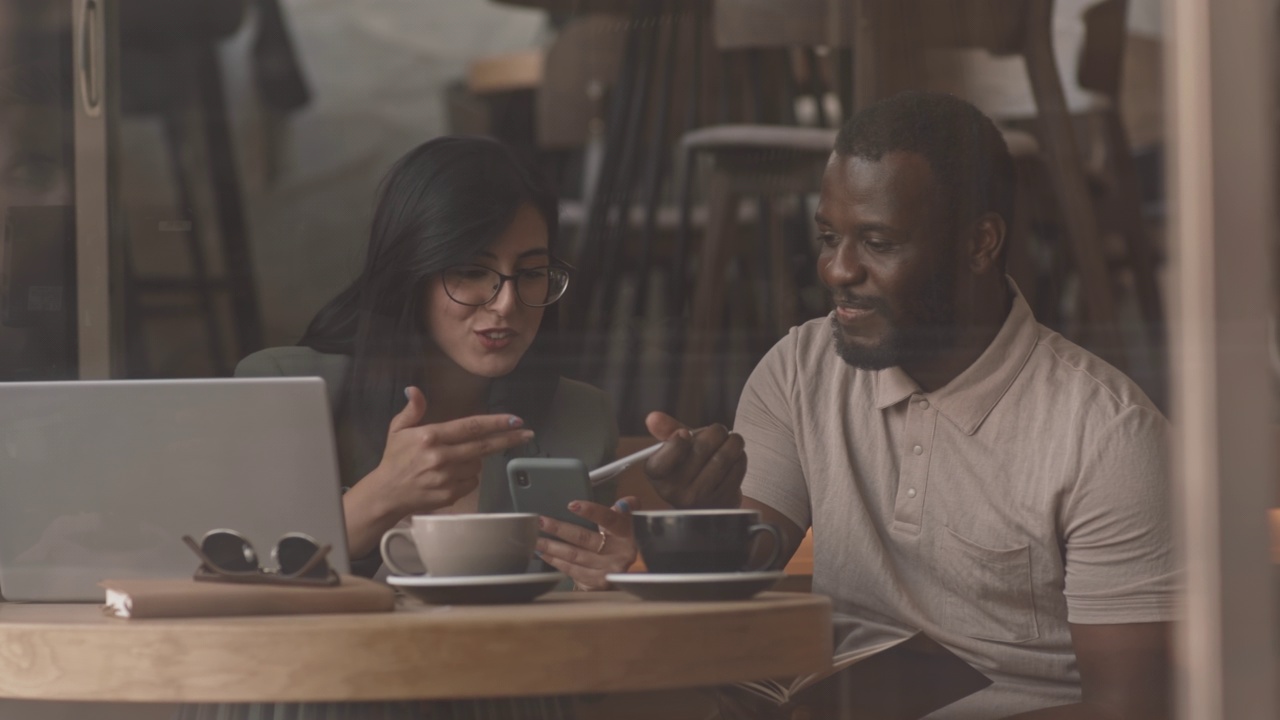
{"x": 440, "y": 204}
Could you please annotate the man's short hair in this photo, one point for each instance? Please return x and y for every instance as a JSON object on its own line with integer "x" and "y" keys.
{"x": 967, "y": 153}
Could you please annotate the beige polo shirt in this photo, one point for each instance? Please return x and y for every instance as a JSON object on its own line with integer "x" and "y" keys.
{"x": 1031, "y": 491}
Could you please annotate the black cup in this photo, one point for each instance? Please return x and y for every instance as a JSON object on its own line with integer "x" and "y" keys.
{"x": 701, "y": 541}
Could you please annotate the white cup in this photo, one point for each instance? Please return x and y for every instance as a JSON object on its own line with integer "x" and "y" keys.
{"x": 472, "y": 544}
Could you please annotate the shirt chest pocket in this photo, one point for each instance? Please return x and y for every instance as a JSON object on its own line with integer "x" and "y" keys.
{"x": 985, "y": 593}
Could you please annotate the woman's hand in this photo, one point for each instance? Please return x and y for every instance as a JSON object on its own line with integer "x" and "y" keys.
{"x": 428, "y": 467}
{"x": 588, "y": 556}
{"x": 424, "y": 468}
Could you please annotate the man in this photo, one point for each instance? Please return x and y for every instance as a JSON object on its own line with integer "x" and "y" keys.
{"x": 965, "y": 470}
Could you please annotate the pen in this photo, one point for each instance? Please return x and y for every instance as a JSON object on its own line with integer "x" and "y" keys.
{"x": 605, "y": 472}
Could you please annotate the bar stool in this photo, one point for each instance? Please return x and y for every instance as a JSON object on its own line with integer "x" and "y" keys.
{"x": 746, "y": 161}
{"x": 776, "y": 163}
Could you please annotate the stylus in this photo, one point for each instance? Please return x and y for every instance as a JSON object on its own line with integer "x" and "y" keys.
{"x": 606, "y": 472}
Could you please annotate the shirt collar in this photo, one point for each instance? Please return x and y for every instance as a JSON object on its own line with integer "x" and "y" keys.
{"x": 969, "y": 398}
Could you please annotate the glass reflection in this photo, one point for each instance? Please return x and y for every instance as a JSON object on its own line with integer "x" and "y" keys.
{"x": 37, "y": 263}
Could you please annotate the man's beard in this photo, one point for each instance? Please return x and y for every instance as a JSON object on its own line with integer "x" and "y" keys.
{"x": 931, "y": 330}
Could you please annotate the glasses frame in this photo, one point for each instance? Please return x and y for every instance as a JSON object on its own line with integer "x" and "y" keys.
{"x": 555, "y": 264}
{"x": 208, "y": 571}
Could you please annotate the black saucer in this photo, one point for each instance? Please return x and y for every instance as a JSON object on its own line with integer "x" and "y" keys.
{"x": 685, "y": 587}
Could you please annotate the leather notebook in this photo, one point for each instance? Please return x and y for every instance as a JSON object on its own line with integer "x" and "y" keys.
{"x": 160, "y": 598}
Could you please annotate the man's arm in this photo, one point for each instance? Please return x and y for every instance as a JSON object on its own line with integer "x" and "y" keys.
{"x": 1120, "y": 572}
{"x": 1124, "y": 674}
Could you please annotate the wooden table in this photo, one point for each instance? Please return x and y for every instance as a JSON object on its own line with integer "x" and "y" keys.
{"x": 565, "y": 643}
{"x": 578, "y": 6}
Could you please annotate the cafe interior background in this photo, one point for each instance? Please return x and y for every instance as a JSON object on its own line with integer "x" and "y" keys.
{"x": 205, "y": 187}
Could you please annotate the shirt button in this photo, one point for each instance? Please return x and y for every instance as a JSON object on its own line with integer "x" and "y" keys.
{"x": 924, "y": 404}
{"x": 911, "y": 492}
{"x": 917, "y": 450}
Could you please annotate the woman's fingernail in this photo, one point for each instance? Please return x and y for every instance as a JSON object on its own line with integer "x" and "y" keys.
{"x": 514, "y": 421}
{"x": 623, "y": 506}
{"x": 406, "y": 394}
{"x": 542, "y": 523}
{"x": 575, "y": 506}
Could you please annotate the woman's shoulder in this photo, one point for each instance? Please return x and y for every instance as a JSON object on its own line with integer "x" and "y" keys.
{"x": 294, "y": 361}
{"x": 581, "y": 404}
{"x": 576, "y": 392}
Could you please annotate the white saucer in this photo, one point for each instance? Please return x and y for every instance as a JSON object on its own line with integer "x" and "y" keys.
{"x": 477, "y": 589}
{"x": 695, "y": 586}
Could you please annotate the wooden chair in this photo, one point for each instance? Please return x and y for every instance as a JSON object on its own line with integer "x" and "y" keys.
{"x": 1116, "y": 183}
{"x": 890, "y": 37}
{"x": 548, "y": 99}
{"x": 508, "y": 72}
{"x": 1107, "y": 160}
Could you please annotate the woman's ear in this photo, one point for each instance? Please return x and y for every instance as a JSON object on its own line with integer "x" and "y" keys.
{"x": 987, "y": 243}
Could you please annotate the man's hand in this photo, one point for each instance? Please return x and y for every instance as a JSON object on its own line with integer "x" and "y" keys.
{"x": 696, "y": 471}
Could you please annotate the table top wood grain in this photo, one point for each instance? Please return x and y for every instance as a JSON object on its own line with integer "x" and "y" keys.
{"x": 564, "y": 643}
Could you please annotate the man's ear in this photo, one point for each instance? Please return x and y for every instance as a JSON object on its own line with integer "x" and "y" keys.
{"x": 986, "y": 243}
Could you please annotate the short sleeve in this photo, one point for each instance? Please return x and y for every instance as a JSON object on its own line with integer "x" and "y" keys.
{"x": 1120, "y": 560}
{"x": 765, "y": 419}
{"x": 260, "y": 364}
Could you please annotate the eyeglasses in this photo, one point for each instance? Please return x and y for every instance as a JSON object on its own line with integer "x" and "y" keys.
{"x": 477, "y": 285}
{"x": 228, "y": 556}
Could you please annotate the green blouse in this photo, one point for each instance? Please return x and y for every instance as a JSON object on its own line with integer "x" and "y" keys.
{"x": 579, "y": 423}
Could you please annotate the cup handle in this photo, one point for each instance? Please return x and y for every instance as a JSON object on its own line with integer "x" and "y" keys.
{"x": 385, "y": 545}
{"x": 754, "y": 532}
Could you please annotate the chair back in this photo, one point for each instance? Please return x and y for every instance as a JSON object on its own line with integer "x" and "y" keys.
{"x": 579, "y": 67}
{"x": 761, "y": 24}
{"x": 998, "y": 26}
{"x": 1102, "y": 56}
{"x": 773, "y": 53}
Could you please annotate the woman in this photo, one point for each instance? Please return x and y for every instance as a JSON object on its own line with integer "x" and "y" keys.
{"x": 436, "y": 365}
{"x": 440, "y": 370}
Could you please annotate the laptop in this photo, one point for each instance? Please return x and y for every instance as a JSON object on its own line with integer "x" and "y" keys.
{"x": 101, "y": 479}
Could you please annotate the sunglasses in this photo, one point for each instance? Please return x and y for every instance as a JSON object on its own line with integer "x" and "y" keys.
{"x": 228, "y": 556}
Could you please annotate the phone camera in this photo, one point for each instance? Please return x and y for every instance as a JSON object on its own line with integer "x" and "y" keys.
{"x": 522, "y": 479}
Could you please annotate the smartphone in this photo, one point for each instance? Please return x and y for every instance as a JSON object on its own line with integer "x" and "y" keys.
{"x": 546, "y": 486}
